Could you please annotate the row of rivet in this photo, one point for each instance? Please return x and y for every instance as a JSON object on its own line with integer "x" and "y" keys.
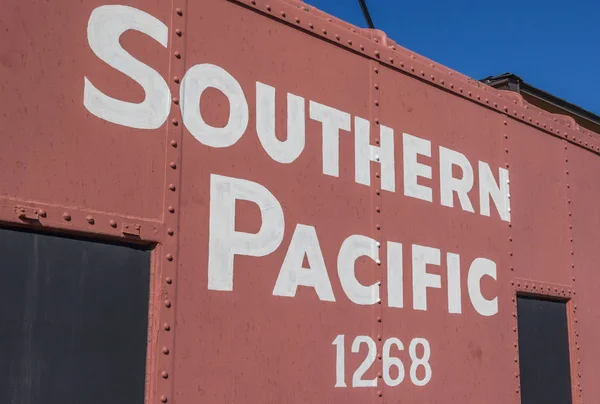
{"x": 512, "y": 269}
{"x": 573, "y": 326}
{"x": 391, "y": 58}
{"x": 67, "y": 217}
{"x": 375, "y": 112}
{"x": 171, "y": 218}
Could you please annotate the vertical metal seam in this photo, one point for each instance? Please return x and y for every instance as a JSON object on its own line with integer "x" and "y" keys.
{"x": 374, "y": 113}
{"x": 172, "y": 189}
{"x": 577, "y": 392}
{"x": 515, "y": 328}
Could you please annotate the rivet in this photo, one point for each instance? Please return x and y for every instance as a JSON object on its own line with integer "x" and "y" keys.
{"x": 163, "y": 399}
{"x": 175, "y": 100}
{"x": 377, "y": 209}
{"x": 297, "y": 20}
{"x": 168, "y": 280}
{"x": 349, "y": 42}
{"x": 337, "y": 36}
{"x": 165, "y": 350}
{"x": 376, "y": 103}
{"x": 378, "y": 337}
{"x": 178, "y": 32}
{"x": 391, "y": 60}
{"x": 311, "y": 25}
{"x": 176, "y": 79}
{"x": 67, "y": 216}
{"x": 167, "y": 303}
{"x": 378, "y": 227}
{"x": 42, "y": 213}
{"x": 379, "y": 375}
{"x": 376, "y": 70}
{"x": 324, "y": 31}
{"x": 268, "y": 7}
{"x": 179, "y": 11}
{"x": 171, "y": 209}
{"x": 170, "y": 257}
{"x": 113, "y": 223}
{"x": 90, "y": 219}
{"x": 166, "y": 326}
{"x": 379, "y": 393}
{"x": 283, "y": 13}
{"x": 377, "y": 192}
{"x": 172, "y": 187}
{"x": 376, "y": 53}
{"x": 177, "y": 54}
{"x": 362, "y": 47}
{"x": 164, "y": 374}
{"x": 174, "y": 143}
{"x": 376, "y": 86}
{"x": 379, "y": 319}
{"x": 253, "y": 2}
{"x": 173, "y": 165}
{"x": 379, "y": 356}
{"x": 377, "y": 175}
{"x": 175, "y": 122}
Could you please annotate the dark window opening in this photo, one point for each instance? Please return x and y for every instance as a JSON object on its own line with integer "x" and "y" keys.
{"x": 74, "y": 319}
{"x": 544, "y": 361}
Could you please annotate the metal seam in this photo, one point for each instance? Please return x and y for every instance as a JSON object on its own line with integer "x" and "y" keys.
{"x": 172, "y": 189}
{"x": 374, "y": 102}
{"x": 573, "y": 322}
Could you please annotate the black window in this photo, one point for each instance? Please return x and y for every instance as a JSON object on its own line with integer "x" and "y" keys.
{"x": 543, "y": 351}
{"x": 74, "y": 317}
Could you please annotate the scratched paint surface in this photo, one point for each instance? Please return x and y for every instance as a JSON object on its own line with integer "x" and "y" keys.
{"x": 358, "y": 239}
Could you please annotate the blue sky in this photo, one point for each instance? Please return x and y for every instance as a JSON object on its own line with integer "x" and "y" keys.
{"x": 551, "y": 44}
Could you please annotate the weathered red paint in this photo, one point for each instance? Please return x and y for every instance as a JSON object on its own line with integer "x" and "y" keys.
{"x": 248, "y": 346}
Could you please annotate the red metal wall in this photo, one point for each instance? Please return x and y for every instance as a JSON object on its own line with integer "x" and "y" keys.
{"x": 68, "y": 169}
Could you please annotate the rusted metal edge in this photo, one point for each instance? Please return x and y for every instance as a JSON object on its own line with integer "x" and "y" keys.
{"x": 44, "y": 216}
{"x": 165, "y": 299}
{"x": 405, "y": 61}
